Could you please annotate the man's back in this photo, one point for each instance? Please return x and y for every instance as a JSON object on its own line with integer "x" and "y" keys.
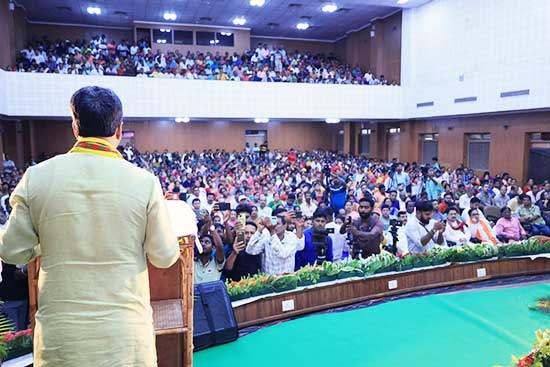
{"x": 95, "y": 217}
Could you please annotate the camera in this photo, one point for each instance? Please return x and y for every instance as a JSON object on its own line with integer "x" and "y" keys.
{"x": 394, "y": 226}
{"x": 319, "y": 239}
{"x": 326, "y": 170}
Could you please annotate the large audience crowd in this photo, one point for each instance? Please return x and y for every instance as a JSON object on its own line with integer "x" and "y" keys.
{"x": 101, "y": 56}
{"x": 274, "y": 212}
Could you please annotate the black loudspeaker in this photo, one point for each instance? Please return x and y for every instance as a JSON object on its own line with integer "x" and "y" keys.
{"x": 213, "y": 317}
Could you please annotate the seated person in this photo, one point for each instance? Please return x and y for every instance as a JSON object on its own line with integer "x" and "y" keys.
{"x": 509, "y": 228}
{"x": 530, "y": 217}
{"x": 239, "y": 263}
{"x": 480, "y": 228}
{"x": 475, "y": 203}
{"x": 277, "y": 244}
{"x": 423, "y": 232}
{"x": 318, "y": 244}
{"x": 457, "y": 232}
{"x": 385, "y": 216}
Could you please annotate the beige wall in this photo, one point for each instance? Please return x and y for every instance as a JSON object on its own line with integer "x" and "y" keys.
{"x": 293, "y": 45}
{"x": 380, "y": 54}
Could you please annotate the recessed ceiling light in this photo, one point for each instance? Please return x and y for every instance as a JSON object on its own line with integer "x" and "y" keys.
{"x": 401, "y": 2}
{"x": 169, "y": 16}
{"x": 257, "y": 2}
{"x": 161, "y": 40}
{"x": 228, "y": 34}
{"x": 182, "y": 119}
{"x": 302, "y": 26}
{"x": 239, "y": 21}
{"x": 93, "y": 10}
{"x": 332, "y": 121}
{"x": 329, "y": 8}
{"x": 261, "y": 120}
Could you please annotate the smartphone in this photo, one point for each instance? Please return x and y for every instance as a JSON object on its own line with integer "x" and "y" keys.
{"x": 330, "y": 230}
{"x": 223, "y": 206}
{"x": 240, "y": 237}
{"x": 242, "y": 219}
{"x": 274, "y": 221}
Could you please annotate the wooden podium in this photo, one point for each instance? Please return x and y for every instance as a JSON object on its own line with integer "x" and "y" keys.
{"x": 171, "y": 300}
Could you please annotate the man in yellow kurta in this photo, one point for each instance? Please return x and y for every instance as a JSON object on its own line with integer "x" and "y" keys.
{"x": 93, "y": 218}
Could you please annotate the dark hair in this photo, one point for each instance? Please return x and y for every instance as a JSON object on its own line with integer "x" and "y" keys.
{"x": 503, "y": 209}
{"x": 452, "y": 208}
{"x": 471, "y": 211}
{"x": 368, "y": 200}
{"x": 384, "y": 207}
{"x": 424, "y": 206}
{"x": 195, "y": 200}
{"x": 475, "y": 200}
{"x": 319, "y": 213}
{"x": 250, "y": 223}
{"x": 243, "y": 208}
{"x": 400, "y": 213}
{"x": 278, "y": 211}
{"x": 97, "y": 111}
{"x": 207, "y": 236}
{"x": 523, "y": 196}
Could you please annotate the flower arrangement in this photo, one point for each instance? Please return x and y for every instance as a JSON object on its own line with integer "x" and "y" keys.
{"x": 539, "y": 356}
{"x": 380, "y": 263}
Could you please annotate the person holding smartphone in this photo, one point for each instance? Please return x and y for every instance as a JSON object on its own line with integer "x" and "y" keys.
{"x": 277, "y": 244}
{"x": 239, "y": 263}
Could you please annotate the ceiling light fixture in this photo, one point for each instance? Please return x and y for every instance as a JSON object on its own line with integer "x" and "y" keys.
{"x": 239, "y": 21}
{"x": 161, "y": 41}
{"x": 258, "y": 3}
{"x": 169, "y": 16}
{"x": 228, "y": 34}
{"x": 302, "y": 26}
{"x": 329, "y": 8}
{"x": 262, "y": 120}
{"x": 332, "y": 121}
{"x": 185, "y": 120}
{"x": 94, "y": 10}
{"x": 402, "y": 2}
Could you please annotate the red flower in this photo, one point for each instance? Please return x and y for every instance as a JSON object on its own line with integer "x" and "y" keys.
{"x": 526, "y": 361}
{"x": 8, "y": 337}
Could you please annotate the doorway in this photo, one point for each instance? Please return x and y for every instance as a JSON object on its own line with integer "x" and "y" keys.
{"x": 393, "y": 143}
{"x": 255, "y": 138}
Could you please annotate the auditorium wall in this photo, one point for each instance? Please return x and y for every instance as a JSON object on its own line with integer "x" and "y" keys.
{"x": 37, "y": 31}
{"x": 380, "y": 54}
{"x": 5, "y": 20}
{"x": 509, "y": 139}
{"x": 12, "y": 33}
{"x": 315, "y": 47}
{"x": 52, "y": 137}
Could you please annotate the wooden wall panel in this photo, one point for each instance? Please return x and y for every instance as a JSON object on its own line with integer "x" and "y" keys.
{"x": 36, "y": 32}
{"x": 380, "y": 54}
{"x": 509, "y": 139}
{"x": 56, "y": 136}
{"x": 5, "y": 30}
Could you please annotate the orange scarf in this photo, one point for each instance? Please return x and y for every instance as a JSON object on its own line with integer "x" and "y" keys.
{"x": 487, "y": 231}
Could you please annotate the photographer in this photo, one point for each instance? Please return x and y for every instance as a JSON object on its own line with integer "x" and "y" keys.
{"x": 366, "y": 232}
{"x": 318, "y": 244}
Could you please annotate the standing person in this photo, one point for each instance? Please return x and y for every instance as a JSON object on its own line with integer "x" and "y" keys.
{"x": 14, "y": 293}
{"x": 366, "y": 231}
{"x": 93, "y": 236}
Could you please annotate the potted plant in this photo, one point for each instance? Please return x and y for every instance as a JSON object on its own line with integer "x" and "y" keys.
{"x": 308, "y": 275}
{"x": 260, "y": 284}
{"x": 285, "y": 282}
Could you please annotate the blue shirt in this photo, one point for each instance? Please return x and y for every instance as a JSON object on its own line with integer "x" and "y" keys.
{"x": 398, "y": 179}
{"x": 309, "y": 254}
{"x": 337, "y": 197}
{"x": 433, "y": 190}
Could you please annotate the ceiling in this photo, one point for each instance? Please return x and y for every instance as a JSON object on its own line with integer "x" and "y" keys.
{"x": 277, "y": 18}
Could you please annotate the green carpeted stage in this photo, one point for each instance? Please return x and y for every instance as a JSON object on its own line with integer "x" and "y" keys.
{"x": 475, "y": 328}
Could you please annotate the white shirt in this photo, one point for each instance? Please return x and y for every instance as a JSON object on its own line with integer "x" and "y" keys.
{"x": 308, "y": 210}
{"x": 464, "y": 201}
{"x": 278, "y": 255}
{"x": 338, "y": 241}
{"x": 416, "y": 230}
{"x": 459, "y": 237}
{"x": 466, "y": 217}
{"x": 264, "y": 212}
